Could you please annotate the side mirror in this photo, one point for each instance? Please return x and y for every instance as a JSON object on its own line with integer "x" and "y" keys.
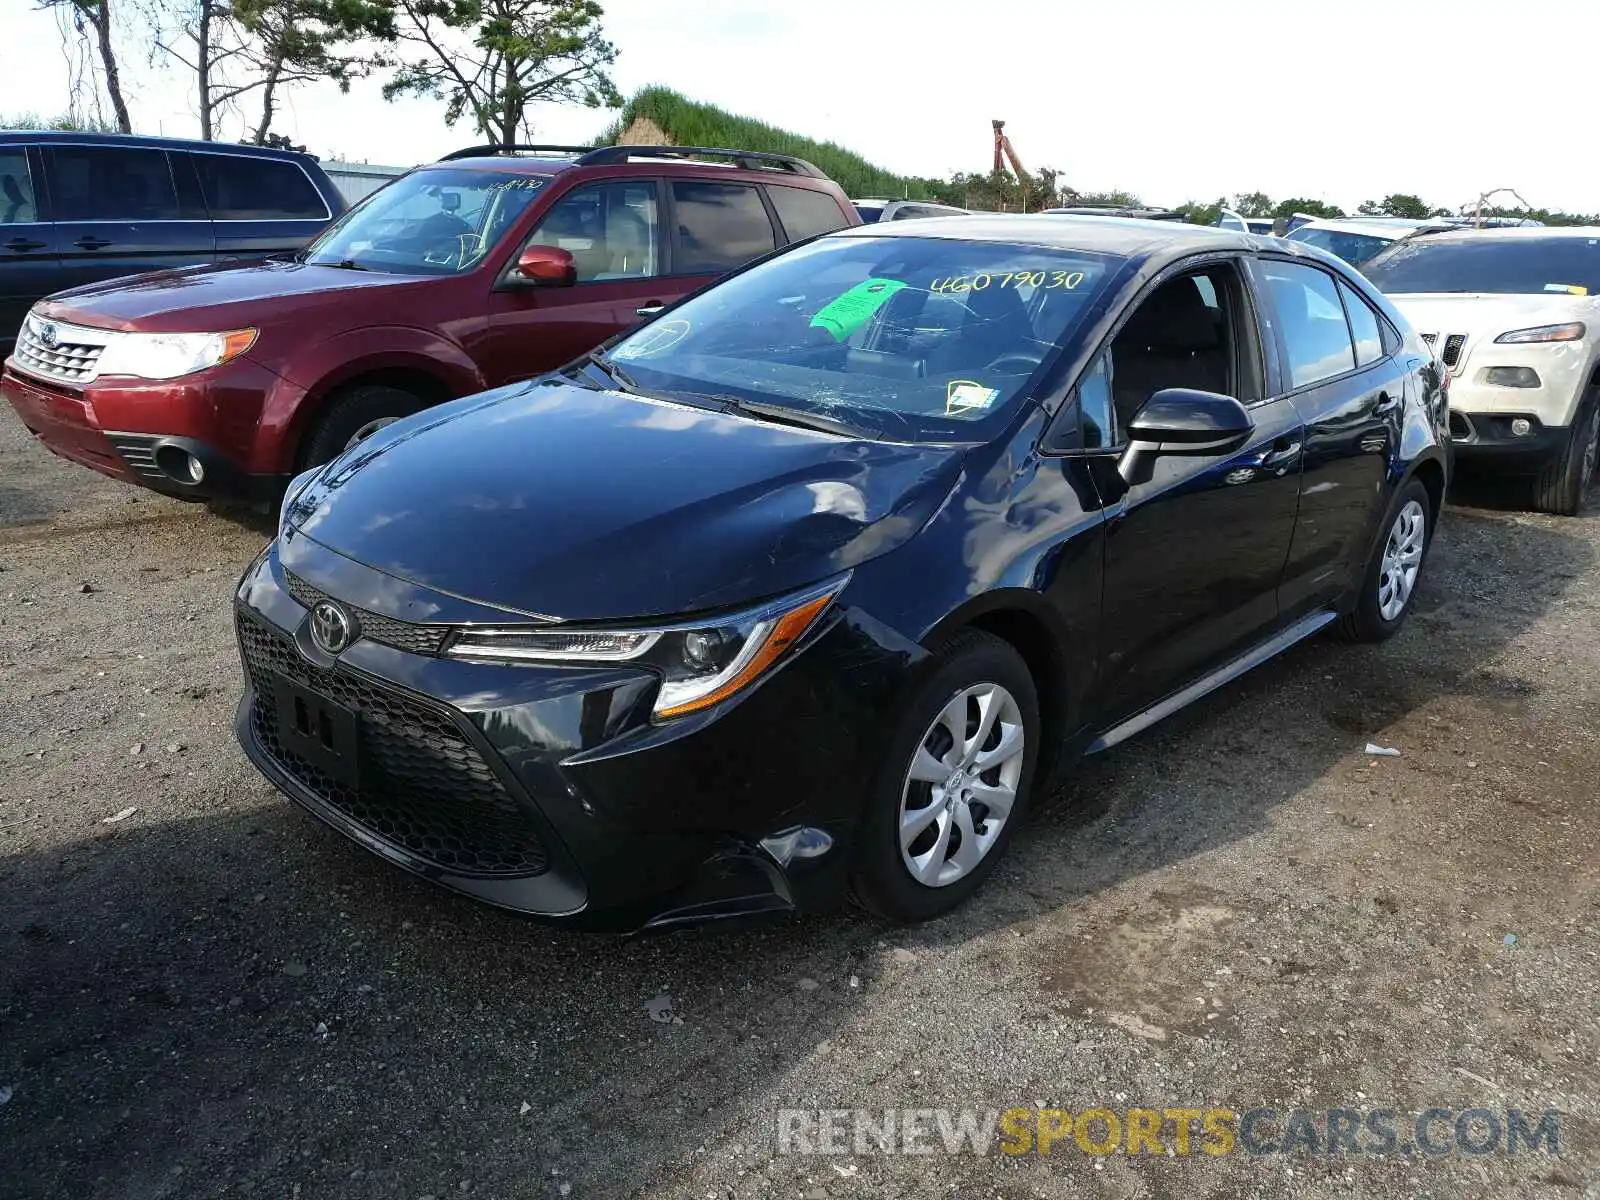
{"x": 1182, "y": 421}
{"x": 1185, "y": 421}
{"x": 546, "y": 266}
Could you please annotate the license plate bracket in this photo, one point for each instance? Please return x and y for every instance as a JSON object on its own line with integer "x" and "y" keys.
{"x": 322, "y": 731}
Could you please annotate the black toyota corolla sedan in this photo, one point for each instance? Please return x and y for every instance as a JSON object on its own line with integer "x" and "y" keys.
{"x": 800, "y": 590}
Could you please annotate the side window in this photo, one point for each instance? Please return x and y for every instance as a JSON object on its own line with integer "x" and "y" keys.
{"x": 240, "y": 188}
{"x": 109, "y": 183}
{"x": 804, "y": 213}
{"x": 720, "y": 226}
{"x": 16, "y": 189}
{"x": 1094, "y": 404}
{"x": 1178, "y": 337}
{"x": 610, "y": 229}
{"x": 1364, "y": 330}
{"x": 1312, "y": 320}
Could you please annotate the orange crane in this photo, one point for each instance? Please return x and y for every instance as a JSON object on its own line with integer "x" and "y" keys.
{"x": 1004, "y": 152}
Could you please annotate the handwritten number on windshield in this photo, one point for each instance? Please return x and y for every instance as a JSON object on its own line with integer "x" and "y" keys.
{"x": 1069, "y": 280}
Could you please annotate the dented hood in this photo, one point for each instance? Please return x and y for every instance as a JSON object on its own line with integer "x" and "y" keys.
{"x": 564, "y": 501}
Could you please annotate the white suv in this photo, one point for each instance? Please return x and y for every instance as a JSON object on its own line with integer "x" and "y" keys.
{"x": 1514, "y": 317}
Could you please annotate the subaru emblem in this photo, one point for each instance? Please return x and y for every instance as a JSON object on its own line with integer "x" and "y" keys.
{"x": 330, "y": 627}
{"x": 48, "y": 336}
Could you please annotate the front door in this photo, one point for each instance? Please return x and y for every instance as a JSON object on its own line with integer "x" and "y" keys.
{"x": 1195, "y": 543}
{"x": 118, "y": 212}
{"x": 614, "y": 232}
{"x": 28, "y": 262}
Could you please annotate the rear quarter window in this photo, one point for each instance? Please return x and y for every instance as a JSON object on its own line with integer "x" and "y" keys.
{"x": 805, "y": 213}
{"x": 238, "y": 187}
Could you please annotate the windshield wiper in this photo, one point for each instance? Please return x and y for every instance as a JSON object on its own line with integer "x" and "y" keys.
{"x": 778, "y": 414}
{"x": 615, "y": 373}
{"x": 344, "y": 264}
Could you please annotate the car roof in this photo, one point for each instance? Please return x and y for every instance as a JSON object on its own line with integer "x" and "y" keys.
{"x": 138, "y": 141}
{"x": 1392, "y": 227}
{"x": 1516, "y": 233}
{"x": 1128, "y": 236}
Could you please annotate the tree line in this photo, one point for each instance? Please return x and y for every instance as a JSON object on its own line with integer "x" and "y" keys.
{"x": 488, "y": 61}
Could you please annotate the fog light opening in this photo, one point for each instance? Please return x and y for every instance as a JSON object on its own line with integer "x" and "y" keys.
{"x": 181, "y": 465}
{"x": 1521, "y": 427}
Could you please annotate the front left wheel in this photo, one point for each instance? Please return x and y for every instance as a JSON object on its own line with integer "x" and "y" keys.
{"x": 954, "y": 783}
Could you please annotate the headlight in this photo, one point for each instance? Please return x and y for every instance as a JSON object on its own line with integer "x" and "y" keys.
{"x": 1572, "y": 331}
{"x": 700, "y": 664}
{"x": 171, "y": 355}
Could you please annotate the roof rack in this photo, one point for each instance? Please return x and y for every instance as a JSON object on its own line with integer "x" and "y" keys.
{"x": 750, "y": 160}
{"x": 493, "y": 149}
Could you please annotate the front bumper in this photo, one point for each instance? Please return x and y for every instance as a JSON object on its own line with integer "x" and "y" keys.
{"x": 147, "y": 432}
{"x": 547, "y": 790}
{"x": 1485, "y": 439}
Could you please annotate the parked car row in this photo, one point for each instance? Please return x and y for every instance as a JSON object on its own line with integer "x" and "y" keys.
{"x": 481, "y": 269}
{"x": 746, "y": 558}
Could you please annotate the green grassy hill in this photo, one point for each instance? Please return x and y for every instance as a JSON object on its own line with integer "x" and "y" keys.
{"x": 686, "y": 122}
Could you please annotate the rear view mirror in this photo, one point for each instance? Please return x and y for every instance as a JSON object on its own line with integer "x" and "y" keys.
{"x": 549, "y": 266}
{"x": 1185, "y": 421}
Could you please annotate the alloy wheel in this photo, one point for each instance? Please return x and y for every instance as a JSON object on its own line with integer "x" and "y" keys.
{"x": 962, "y": 784}
{"x": 1402, "y": 559}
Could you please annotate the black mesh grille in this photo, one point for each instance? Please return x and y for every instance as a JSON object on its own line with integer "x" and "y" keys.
{"x": 1452, "y": 349}
{"x": 402, "y": 635}
{"x": 424, "y": 787}
{"x": 1430, "y": 339}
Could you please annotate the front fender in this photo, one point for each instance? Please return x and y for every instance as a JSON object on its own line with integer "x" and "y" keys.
{"x": 329, "y": 365}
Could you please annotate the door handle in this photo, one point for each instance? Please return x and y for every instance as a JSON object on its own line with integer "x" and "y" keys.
{"x": 91, "y": 243}
{"x": 649, "y": 310}
{"x": 23, "y": 245}
{"x": 1284, "y": 450}
{"x": 1386, "y": 403}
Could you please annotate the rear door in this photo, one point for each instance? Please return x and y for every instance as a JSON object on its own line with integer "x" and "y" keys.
{"x": 121, "y": 210}
{"x": 28, "y": 261}
{"x": 804, "y": 212}
{"x": 717, "y": 225}
{"x": 258, "y": 206}
{"x": 1342, "y": 376}
{"x": 614, "y": 232}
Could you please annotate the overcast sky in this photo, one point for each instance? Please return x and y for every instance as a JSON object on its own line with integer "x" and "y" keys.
{"x": 1169, "y": 100}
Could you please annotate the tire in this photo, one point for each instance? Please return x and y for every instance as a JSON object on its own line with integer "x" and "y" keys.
{"x": 882, "y": 879}
{"x": 1370, "y": 620}
{"x": 1563, "y": 485}
{"x": 352, "y": 415}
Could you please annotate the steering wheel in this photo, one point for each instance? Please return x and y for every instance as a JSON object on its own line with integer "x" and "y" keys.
{"x": 1028, "y": 362}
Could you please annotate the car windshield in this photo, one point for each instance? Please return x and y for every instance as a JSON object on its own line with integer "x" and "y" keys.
{"x": 1504, "y": 265}
{"x": 432, "y": 222}
{"x": 1354, "y": 248}
{"x": 916, "y": 338}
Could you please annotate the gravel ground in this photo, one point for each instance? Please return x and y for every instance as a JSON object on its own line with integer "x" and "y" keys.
{"x": 205, "y": 992}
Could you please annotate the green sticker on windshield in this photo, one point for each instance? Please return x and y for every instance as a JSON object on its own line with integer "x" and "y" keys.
{"x": 848, "y": 312}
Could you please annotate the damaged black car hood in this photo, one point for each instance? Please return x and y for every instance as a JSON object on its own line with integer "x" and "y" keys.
{"x": 583, "y": 504}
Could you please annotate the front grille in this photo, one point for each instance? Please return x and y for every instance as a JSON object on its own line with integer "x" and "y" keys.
{"x": 424, "y": 786}
{"x": 72, "y": 359}
{"x": 1430, "y": 339}
{"x": 1452, "y": 349}
{"x": 391, "y": 631}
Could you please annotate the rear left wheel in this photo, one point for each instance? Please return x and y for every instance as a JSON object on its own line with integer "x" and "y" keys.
{"x": 1390, "y": 582}
{"x": 954, "y": 784}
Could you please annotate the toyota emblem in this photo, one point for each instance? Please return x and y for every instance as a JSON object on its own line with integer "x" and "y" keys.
{"x": 48, "y": 336}
{"x": 330, "y": 627}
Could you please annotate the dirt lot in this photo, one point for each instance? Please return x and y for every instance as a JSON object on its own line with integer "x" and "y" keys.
{"x": 215, "y": 995}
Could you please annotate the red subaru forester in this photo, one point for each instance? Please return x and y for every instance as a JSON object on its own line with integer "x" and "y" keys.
{"x": 488, "y": 267}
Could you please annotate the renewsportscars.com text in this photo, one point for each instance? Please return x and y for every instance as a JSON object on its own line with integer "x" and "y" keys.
{"x": 1433, "y": 1132}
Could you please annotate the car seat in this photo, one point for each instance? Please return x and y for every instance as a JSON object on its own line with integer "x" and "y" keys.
{"x": 18, "y": 208}
{"x": 1173, "y": 340}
